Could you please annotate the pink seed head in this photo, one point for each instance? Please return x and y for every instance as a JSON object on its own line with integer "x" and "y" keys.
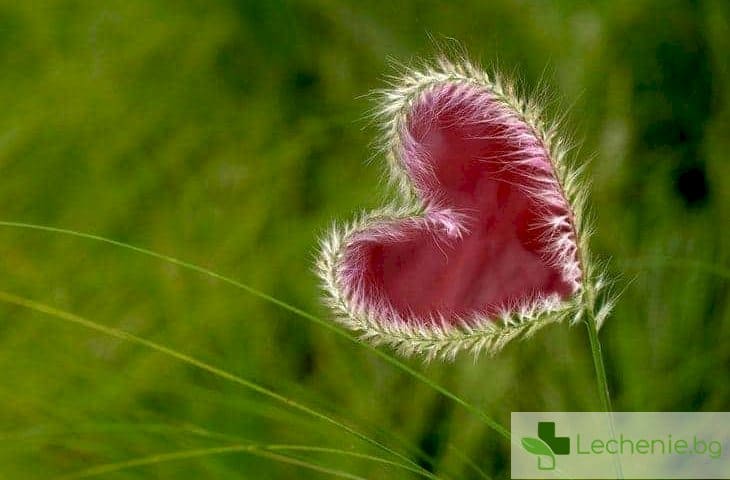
{"x": 487, "y": 246}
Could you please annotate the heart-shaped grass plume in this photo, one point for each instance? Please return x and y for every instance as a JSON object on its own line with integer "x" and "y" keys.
{"x": 486, "y": 247}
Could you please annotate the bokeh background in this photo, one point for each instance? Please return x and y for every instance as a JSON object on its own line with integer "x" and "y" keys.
{"x": 230, "y": 134}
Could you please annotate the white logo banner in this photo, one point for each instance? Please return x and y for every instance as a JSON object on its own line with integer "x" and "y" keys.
{"x": 622, "y": 445}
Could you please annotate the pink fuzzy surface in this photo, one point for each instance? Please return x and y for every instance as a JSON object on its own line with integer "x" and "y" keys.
{"x": 497, "y": 233}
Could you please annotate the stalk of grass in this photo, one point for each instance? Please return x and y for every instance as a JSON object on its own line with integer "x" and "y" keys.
{"x": 51, "y": 431}
{"x": 490, "y": 422}
{"x": 601, "y": 378}
{"x": 200, "y": 453}
{"x": 597, "y": 354}
{"x": 194, "y": 430}
{"x": 126, "y": 336}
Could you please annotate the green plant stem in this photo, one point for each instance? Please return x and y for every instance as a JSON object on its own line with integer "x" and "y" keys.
{"x": 601, "y": 379}
{"x": 598, "y": 364}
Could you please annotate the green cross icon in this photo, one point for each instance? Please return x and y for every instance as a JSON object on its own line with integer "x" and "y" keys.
{"x": 546, "y": 445}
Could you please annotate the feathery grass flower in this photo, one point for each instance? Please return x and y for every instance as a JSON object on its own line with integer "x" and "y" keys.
{"x": 485, "y": 241}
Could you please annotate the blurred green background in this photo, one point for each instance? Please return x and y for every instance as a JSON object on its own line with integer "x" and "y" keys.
{"x": 231, "y": 134}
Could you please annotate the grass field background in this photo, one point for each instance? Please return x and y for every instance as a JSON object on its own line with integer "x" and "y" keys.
{"x": 231, "y": 134}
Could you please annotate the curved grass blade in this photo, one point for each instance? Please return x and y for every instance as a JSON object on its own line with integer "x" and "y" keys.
{"x": 51, "y": 431}
{"x": 126, "y": 336}
{"x": 199, "y": 453}
{"x": 278, "y": 413}
{"x": 193, "y": 430}
{"x": 490, "y": 422}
